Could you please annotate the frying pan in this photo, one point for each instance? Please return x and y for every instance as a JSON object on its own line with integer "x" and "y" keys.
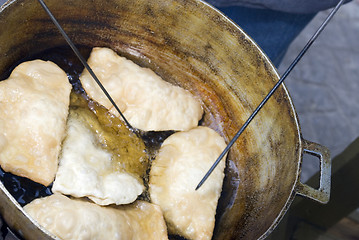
{"x": 192, "y": 45}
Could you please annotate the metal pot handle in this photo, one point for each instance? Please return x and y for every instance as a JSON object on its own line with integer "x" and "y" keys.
{"x": 322, "y": 194}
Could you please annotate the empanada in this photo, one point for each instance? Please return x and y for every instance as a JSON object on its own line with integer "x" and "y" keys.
{"x": 146, "y": 100}
{"x": 78, "y": 219}
{"x": 34, "y": 103}
{"x": 86, "y": 169}
{"x": 183, "y": 160}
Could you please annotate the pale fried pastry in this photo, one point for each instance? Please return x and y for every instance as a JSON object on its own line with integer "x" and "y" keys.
{"x": 146, "y": 100}
{"x": 183, "y": 160}
{"x": 87, "y": 170}
{"x": 34, "y": 104}
{"x": 78, "y": 219}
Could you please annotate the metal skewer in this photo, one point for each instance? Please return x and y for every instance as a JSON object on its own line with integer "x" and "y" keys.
{"x": 284, "y": 76}
{"x": 83, "y": 61}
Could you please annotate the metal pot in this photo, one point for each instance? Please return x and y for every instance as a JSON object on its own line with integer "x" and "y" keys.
{"x": 190, "y": 44}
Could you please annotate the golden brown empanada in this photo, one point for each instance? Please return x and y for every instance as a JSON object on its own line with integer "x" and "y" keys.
{"x": 34, "y": 104}
{"x": 78, "y": 219}
{"x": 183, "y": 160}
{"x": 146, "y": 100}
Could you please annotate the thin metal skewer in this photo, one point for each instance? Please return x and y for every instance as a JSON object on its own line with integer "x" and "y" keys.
{"x": 83, "y": 61}
{"x": 284, "y": 76}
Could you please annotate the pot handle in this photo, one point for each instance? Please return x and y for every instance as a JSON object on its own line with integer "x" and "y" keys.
{"x": 322, "y": 194}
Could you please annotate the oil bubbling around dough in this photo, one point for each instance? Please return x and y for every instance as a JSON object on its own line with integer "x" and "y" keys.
{"x": 127, "y": 149}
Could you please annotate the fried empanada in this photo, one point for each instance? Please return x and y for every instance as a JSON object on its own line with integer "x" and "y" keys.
{"x": 34, "y": 103}
{"x": 78, "y": 219}
{"x": 86, "y": 169}
{"x": 183, "y": 160}
{"x": 147, "y": 101}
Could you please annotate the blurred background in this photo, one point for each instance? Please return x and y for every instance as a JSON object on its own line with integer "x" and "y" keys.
{"x": 324, "y": 85}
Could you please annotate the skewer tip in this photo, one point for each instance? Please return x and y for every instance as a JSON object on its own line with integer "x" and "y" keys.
{"x": 199, "y": 185}
{"x": 205, "y": 177}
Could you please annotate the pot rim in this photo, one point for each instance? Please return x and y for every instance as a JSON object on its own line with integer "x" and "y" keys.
{"x": 320, "y": 195}
{"x": 295, "y": 189}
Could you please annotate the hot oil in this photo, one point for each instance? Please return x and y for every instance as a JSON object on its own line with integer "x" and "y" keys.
{"x": 129, "y": 153}
{"x": 127, "y": 149}
{"x": 111, "y": 131}
{"x": 25, "y": 190}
